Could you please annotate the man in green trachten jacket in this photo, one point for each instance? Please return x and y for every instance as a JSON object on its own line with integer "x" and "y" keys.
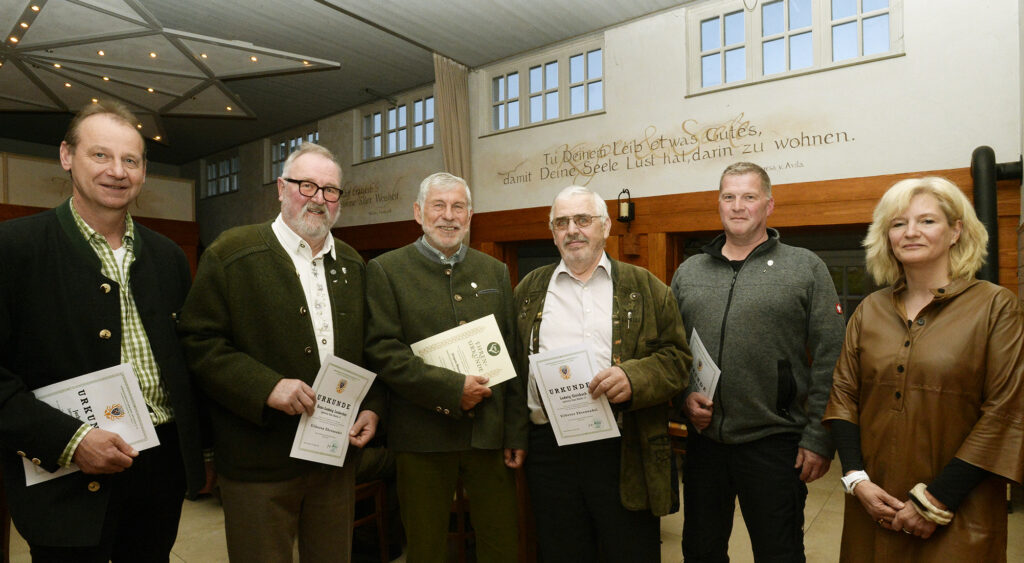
{"x": 602, "y": 496}
{"x": 442, "y": 424}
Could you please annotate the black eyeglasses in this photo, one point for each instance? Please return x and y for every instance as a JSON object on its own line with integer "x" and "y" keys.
{"x": 309, "y": 189}
{"x": 582, "y": 221}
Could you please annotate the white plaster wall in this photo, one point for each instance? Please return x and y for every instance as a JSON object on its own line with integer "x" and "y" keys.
{"x": 956, "y": 87}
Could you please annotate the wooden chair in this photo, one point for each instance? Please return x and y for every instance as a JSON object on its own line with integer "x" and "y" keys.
{"x": 378, "y": 491}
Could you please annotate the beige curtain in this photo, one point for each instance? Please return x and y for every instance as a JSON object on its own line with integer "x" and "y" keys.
{"x": 451, "y": 104}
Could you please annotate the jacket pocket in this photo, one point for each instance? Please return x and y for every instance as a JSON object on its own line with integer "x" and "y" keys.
{"x": 786, "y": 389}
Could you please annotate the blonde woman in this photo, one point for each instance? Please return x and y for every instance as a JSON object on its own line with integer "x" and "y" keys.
{"x": 927, "y": 404}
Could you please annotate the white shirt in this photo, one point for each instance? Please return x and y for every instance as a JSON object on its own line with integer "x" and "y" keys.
{"x": 575, "y": 312}
{"x": 310, "y": 270}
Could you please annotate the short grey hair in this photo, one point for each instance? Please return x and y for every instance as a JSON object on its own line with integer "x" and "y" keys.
{"x": 744, "y": 168}
{"x": 600, "y": 207}
{"x": 309, "y": 148}
{"x": 445, "y": 182}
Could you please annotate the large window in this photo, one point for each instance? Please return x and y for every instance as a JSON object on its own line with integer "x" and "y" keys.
{"x": 221, "y": 176}
{"x": 732, "y": 43}
{"x": 405, "y": 126}
{"x": 561, "y": 84}
{"x": 282, "y": 147}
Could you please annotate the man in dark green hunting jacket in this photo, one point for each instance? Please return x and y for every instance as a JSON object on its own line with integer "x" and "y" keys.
{"x": 443, "y": 424}
{"x": 604, "y": 496}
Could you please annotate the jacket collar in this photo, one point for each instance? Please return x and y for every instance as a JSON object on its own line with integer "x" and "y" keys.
{"x": 80, "y": 246}
{"x": 714, "y": 248}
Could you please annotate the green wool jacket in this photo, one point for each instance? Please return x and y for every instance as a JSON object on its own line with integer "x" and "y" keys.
{"x": 411, "y": 297}
{"x": 245, "y": 326}
{"x": 649, "y": 344}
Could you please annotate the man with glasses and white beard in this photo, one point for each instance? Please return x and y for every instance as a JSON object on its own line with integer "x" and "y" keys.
{"x": 269, "y": 303}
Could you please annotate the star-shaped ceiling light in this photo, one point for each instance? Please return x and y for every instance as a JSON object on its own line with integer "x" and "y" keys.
{"x": 59, "y": 55}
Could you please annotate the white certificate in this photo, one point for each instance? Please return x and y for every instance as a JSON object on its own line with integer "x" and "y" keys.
{"x": 340, "y": 388}
{"x": 475, "y": 348}
{"x": 562, "y": 376}
{"x": 109, "y": 399}
{"x": 703, "y": 372}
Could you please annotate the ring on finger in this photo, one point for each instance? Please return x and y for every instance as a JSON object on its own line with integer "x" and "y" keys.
{"x": 906, "y": 531}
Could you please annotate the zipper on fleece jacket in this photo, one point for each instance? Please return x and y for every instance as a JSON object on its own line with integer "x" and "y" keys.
{"x": 721, "y": 342}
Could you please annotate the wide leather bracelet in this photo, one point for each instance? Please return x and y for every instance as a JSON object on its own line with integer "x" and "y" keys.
{"x": 926, "y": 508}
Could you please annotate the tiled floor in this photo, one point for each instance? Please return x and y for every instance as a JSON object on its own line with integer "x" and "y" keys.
{"x": 201, "y": 534}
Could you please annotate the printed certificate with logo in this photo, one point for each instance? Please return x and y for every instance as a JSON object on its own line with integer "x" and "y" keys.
{"x": 475, "y": 348}
{"x": 562, "y": 376}
{"x": 340, "y": 388}
{"x": 109, "y": 399}
{"x": 703, "y": 371}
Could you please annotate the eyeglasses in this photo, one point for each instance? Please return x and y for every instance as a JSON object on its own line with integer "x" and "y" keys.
{"x": 309, "y": 189}
{"x": 582, "y": 221}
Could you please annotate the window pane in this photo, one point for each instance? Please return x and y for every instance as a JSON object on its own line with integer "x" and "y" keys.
{"x": 498, "y": 89}
{"x": 876, "y": 34}
{"x": 211, "y": 170}
{"x": 391, "y": 118}
{"x": 225, "y": 167}
{"x": 576, "y": 69}
{"x": 711, "y": 70}
{"x": 734, "y": 28}
{"x": 536, "y": 109}
{"x": 376, "y": 146}
{"x": 801, "y": 51}
{"x": 430, "y": 107}
{"x": 771, "y": 19}
{"x": 417, "y": 111}
{"x": 844, "y": 41}
{"x": 367, "y": 148}
{"x": 576, "y": 102}
{"x": 498, "y": 117}
{"x": 391, "y": 142}
{"x": 551, "y": 75}
{"x": 513, "y": 85}
{"x": 417, "y": 136}
{"x": 536, "y": 80}
{"x": 872, "y": 5}
{"x": 595, "y": 96}
{"x": 594, "y": 64}
{"x": 403, "y": 139}
{"x": 234, "y": 165}
{"x": 774, "y": 56}
{"x": 551, "y": 105}
{"x": 513, "y": 114}
{"x": 843, "y": 8}
{"x": 403, "y": 114}
{"x": 376, "y": 122}
{"x": 856, "y": 280}
{"x": 366, "y": 125}
{"x": 430, "y": 133}
{"x": 735, "y": 65}
{"x": 799, "y": 14}
{"x": 710, "y": 34}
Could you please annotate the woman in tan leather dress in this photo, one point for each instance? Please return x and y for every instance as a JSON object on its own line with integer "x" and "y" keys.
{"x": 927, "y": 404}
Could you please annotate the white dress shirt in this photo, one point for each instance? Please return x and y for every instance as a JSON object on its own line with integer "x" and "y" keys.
{"x": 310, "y": 270}
{"x": 574, "y": 312}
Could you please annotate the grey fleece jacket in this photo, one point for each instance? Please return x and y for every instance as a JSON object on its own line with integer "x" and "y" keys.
{"x": 775, "y": 328}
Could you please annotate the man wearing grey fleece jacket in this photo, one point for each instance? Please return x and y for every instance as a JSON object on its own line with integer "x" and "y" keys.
{"x": 769, "y": 317}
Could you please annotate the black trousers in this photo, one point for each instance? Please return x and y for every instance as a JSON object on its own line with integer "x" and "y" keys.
{"x": 575, "y": 495}
{"x": 770, "y": 492}
{"x": 141, "y": 523}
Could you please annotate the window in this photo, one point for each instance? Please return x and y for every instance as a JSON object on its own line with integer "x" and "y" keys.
{"x": 387, "y": 131}
{"x": 733, "y": 44}
{"x": 221, "y": 177}
{"x": 280, "y": 149}
{"x": 548, "y": 87}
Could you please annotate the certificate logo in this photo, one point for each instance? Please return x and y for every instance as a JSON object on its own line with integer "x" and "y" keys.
{"x": 333, "y": 446}
{"x": 114, "y": 412}
{"x": 342, "y": 383}
{"x": 494, "y": 348}
{"x": 564, "y": 372}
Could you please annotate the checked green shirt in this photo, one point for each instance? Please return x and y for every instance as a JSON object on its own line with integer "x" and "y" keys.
{"x": 135, "y": 347}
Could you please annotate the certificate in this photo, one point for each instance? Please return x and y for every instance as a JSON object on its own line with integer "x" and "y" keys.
{"x": 475, "y": 348}
{"x": 109, "y": 399}
{"x": 340, "y": 388}
{"x": 703, "y": 372}
{"x": 562, "y": 376}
